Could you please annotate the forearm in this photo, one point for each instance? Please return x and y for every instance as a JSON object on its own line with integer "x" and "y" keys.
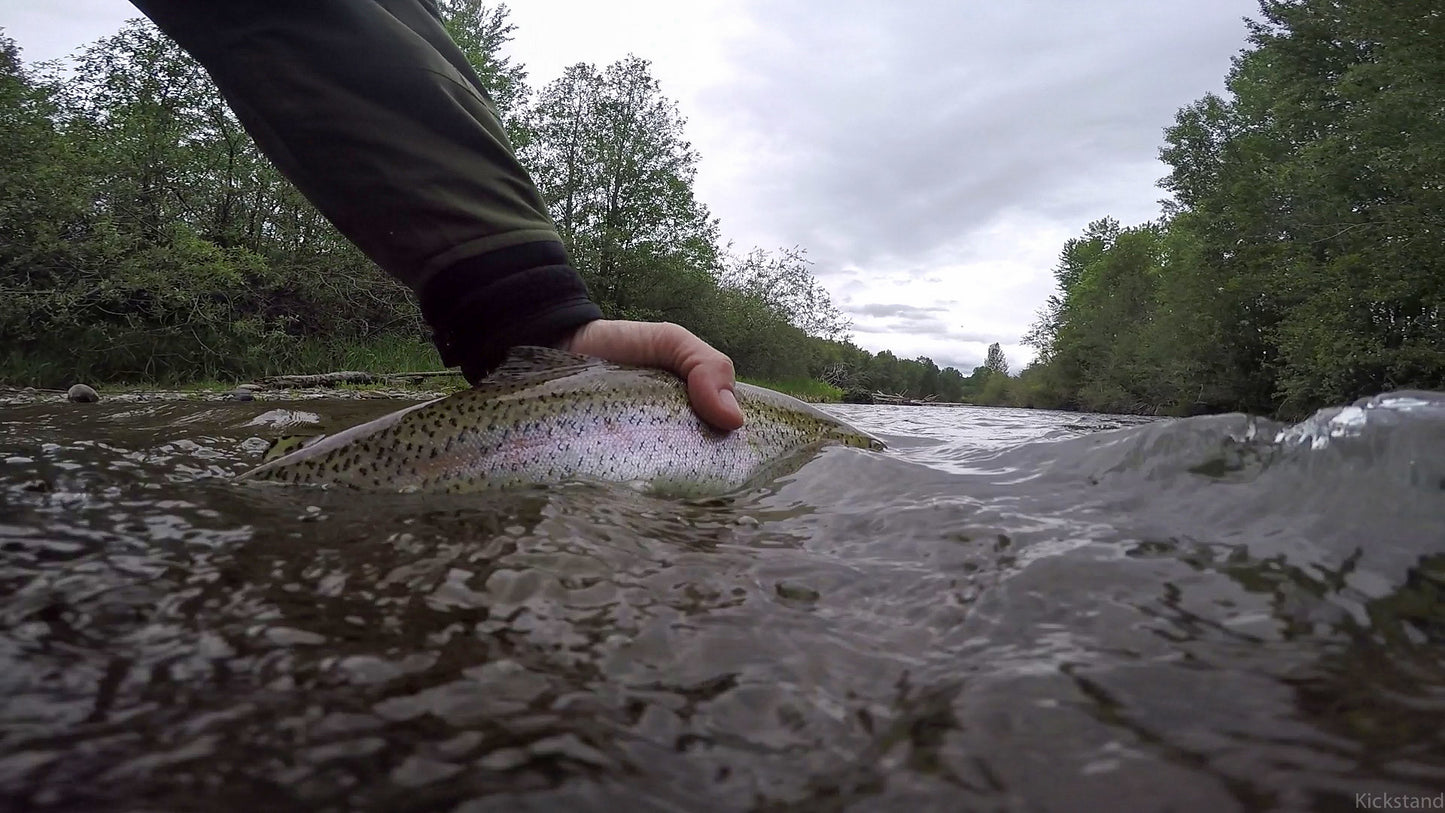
{"x": 375, "y": 115}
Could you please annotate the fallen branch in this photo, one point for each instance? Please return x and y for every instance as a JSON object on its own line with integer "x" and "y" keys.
{"x": 349, "y": 377}
{"x": 899, "y": 399}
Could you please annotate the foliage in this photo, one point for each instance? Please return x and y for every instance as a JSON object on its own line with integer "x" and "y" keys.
{"x": 785, "y": 284}
{"x": 1299, "y": 262}
{"x": 995, "y": 361}
{"x": 146, "y": 238}
{"x": 608, "y": 152}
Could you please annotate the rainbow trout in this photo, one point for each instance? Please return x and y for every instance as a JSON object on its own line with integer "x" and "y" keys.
{"x": 547, "y": 416}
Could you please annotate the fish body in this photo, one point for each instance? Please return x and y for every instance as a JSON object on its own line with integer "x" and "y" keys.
{"x": 547, "y": 416}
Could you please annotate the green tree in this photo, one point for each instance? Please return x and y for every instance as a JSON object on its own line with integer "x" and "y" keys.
{"x": 1308, "y": 197}
{"x": 1298, "y": 262}
{"x": 482, "y": 33}
{"x": 1099, "y": 335}
{"x": 608, "y": 151}
{"x": 44, "y": 206}
{"x": 784, "y": 281}
{"x": 167, "y": 246}
{"x": 929, "y": 378}
{"x": 139, "y": 101}
{"x": 995, "y": 362}
{"x": 950, "y": 385}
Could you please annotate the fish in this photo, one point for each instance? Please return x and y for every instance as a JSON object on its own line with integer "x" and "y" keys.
{"x": 547, "y": 416}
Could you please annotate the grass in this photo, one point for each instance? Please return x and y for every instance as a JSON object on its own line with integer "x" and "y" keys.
{"x": 383, "y": 355}
{"x": 387, "y": 354}
{"x": 804, "y": 389}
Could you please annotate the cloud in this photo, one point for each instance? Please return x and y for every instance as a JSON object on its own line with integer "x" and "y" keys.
{"x": 896, "y": 311}
{"x": 937, "y": 152}
{"x": 890, "y": 133}
{"x": 46, "y": 31}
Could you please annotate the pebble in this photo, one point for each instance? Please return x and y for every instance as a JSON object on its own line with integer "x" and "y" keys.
{"x": 289, "y": 636}
{"x": 418, "y": 771}
{"x": 569, "y": 745}
{"x": 82, "y": 394}
{"x": 255, "y": 445}
{"x": 793, "y": 591}
{"x": 505, "y": 759}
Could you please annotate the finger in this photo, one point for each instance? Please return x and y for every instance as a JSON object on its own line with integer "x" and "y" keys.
{"x": 708, "y": 372}
{"x": 710, "y": 384}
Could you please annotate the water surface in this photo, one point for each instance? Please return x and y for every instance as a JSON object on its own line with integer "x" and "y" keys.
{"x": 1009, "y": 610}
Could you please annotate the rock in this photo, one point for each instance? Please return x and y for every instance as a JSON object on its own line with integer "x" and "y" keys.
{"x": 793, "y": 591}
{"x": 82, "y": 394}
{"x": 282, "y": 418}
{"x": 505, "y": 759}
{"x": 251, "y": 387}
{"x": 241, "y": 394}
{"x": 30, "y": 391}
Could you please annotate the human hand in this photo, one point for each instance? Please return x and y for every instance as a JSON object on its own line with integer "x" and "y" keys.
{"x": 708, "y": 372}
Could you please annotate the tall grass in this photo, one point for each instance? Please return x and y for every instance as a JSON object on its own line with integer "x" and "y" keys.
{"x": 385, "y": 354}
{"x": 804, "y": 389}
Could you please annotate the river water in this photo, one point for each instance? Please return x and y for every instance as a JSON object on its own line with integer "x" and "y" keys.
{"x": 1008, "y": 610}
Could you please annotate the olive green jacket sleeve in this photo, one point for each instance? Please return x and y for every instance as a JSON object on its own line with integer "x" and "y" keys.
{"x": 375, "y": 115}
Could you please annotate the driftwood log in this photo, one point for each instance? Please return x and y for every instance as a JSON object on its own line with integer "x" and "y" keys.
{"x": 349, "y": 377}
{"x": 898, "y": 399}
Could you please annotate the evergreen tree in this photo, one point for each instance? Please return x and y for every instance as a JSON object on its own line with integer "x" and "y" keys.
{"x": 995, "y": 363}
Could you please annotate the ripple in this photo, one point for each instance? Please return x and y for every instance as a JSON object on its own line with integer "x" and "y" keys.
{"x": 1008, "y": 609}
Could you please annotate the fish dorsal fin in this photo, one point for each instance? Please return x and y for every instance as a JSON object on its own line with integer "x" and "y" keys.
{"x": 526, "y": 362}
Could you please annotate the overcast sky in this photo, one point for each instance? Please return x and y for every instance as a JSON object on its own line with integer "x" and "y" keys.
{"x": 932, "y": 157}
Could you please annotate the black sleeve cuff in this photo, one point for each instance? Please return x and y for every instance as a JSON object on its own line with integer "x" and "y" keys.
{"x": 483, "y": 306}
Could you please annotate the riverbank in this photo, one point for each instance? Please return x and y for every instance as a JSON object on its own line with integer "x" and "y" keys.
{"x": 18, "y": 396}
{"x": 398, "y": 387}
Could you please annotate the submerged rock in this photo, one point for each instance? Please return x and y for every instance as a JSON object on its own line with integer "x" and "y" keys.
{"x": 792, "y": 591}
{"x": 82, "y": 394}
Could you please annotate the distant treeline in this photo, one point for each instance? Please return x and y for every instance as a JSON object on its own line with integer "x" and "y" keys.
{"x": 1301, "y": 260}
{"x": 144, "y": 238}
